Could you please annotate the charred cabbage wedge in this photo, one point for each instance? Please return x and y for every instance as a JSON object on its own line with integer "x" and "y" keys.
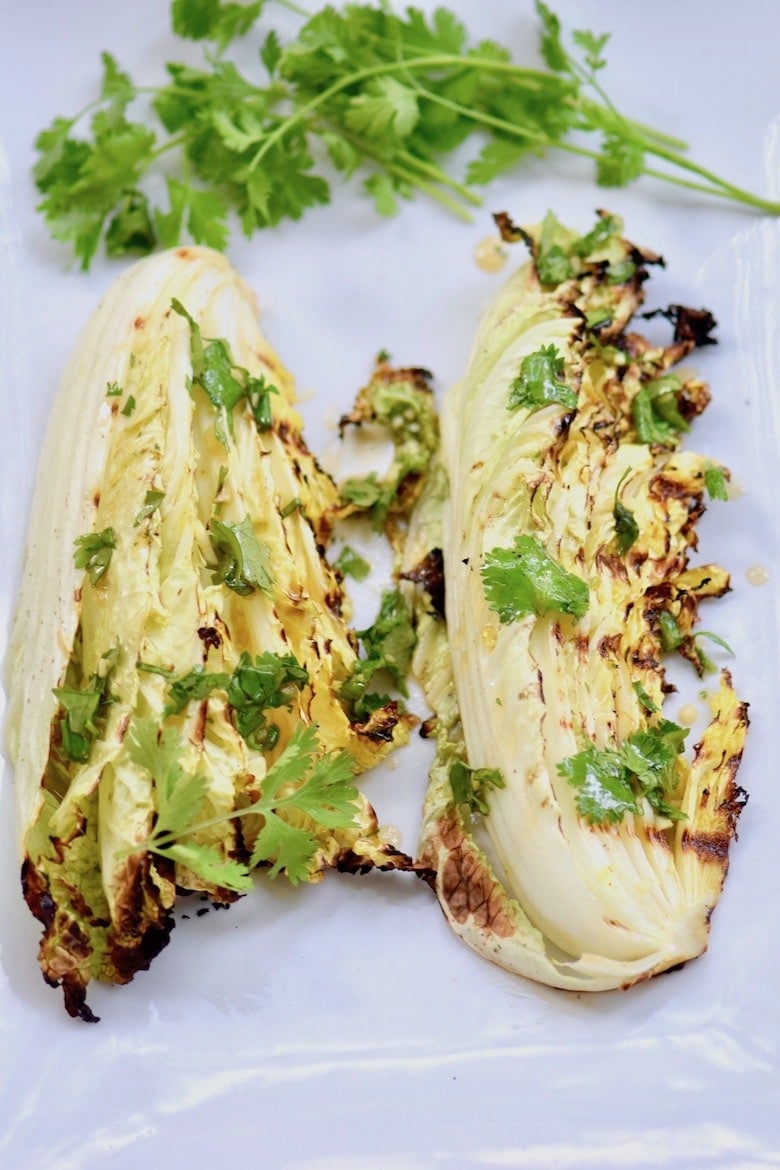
{"x": 181, "y": 641}
{"x": 573, "y": 840}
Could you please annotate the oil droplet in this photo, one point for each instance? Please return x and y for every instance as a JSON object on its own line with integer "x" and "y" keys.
{"x": 735, "y": 489}
{"x": 490, "y": 254}
{"x": 688, "y": 714}
{"x": 489, "y": 635}
{"x": 757, "y": 575}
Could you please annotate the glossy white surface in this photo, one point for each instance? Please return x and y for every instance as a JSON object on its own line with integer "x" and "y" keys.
{"x": 342, "y": 1027}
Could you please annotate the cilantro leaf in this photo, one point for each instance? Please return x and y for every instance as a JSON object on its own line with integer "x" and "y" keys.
{"x": 209, "y": 864}
{"x": 387, "y": 110}
{"x": 256, "y": 686}
{"x": 606, "y": 227}
{"x": 391, "y": 94}
{"x": 525, "y": 580}
{"x": 179, "y": 797}
{"x": 78, "y": 720}
{"x": 388, "y": 646}
{"x": 93, "y": 553}
{"x": 243, "y": 563}
{"x": 540, "y": 382}
{"x": 224, "y": 383}
{"x": 626, "y": 527}
{"x": 351, "y": 564}
{"x": 321, "y": 789}
{"x": 715, "y": 482}
{"x": 178, "y": 794}
{"x": 609, "y": 781}
{"x": 604, "y": 792}
{"x": 194, "y": 686}
{"x": 152, "y": 501}
{"x": 656, "y": 413}
{"x": 470, "y": 786}
{"x": 214, "y": 20}
{"x": 553, "y": 264}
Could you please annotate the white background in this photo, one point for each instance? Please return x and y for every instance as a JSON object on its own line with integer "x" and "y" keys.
{"x": 342, "y": 1026}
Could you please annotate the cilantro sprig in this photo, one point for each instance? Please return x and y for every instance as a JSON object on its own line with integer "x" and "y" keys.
{"x": 387, "y": 96}
{"x": 302, "y": 791}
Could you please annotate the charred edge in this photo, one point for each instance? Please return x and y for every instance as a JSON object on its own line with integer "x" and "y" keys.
{"x": 734, "y": 803}
{"x": 209, "y": 637}
{"x": 609, "y": 646}
{"x": 421, "y": 377}
{"x": 36, "y": 893}
{"x": 429, "y": 572}
{"x": 35, "y": 890}
{"x": 74, "y": 995}
{"x": 381, "y": 726}
{"x": 693, "y": 399}
{"x": 397, "y": 860}
{"x": 428, "y": 727}
{"x": 691, "y": 326}
{"x": 709, "y": 847}
{"x": 665, "y": 488}
{"x": 334, "y": 600}
{"x": 612, "y": 565}
{"x": 292, "y": 437}
{"x": 508, "y": 230}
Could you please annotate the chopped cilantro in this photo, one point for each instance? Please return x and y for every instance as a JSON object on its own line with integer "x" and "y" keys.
{"x": 93, "y": 553}
{"x": 470, "y": 786}
{"x": 152, "y": 501}
{"x": 255, "y": 686}
{"x": 609, "y": 781}
{"x": 553, "y": 265}
{"x": 626, "y": 527}
{"x": 388, "y": 646}
{"x": 82, "y": 712}
{"x": 606, "y": 227}
{"x": 223, "y": 382}
{"x": 540, "y": 382}
{"x": 715, "y": 482}
{"x": 295, "y": 505}
{"x": 656, "y": 412}
{"x": 351, "y": 564}
{"x": 645, "y": 700}
{"x": 129, "y": 406}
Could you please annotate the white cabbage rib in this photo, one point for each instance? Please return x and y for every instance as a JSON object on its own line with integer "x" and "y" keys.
{"x": 551, "y": 895}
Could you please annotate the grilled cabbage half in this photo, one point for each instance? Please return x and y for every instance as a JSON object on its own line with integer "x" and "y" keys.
{"x": 178, "y": 631}
{"x": 571, "y": 839}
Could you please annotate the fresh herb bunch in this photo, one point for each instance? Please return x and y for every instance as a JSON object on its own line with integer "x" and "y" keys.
{"x": 359, "y": 89}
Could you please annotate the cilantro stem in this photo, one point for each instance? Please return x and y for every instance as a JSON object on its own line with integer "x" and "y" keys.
{"x": 714, "y": 184}
{"x": 650, "y": 139}
{"x": 430, "y": 189}
{"x": 433, "y": 61}
{"x": 440, "y": 176}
